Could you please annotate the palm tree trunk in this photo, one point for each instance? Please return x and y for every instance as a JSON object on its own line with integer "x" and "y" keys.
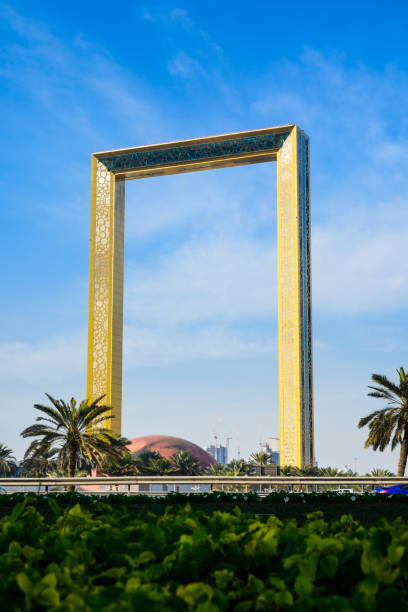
{"x": 402, "y": 463}
{"x": 71, "y": 466}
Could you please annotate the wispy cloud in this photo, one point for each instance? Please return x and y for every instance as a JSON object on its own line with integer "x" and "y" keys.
{"x": 46, "y": 362}
{"x": 206, "y": 280}
{"x": 185, "y": 66}
{"x": 358, "y": 263}
{"x": 160, "y": 345}
{"x": 183, "y": 19}
{"x": 80, "y": 85}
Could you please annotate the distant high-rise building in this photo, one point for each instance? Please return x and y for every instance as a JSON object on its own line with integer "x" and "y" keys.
{"x": 218, "y": 452}
{"x": 271, "y": 446}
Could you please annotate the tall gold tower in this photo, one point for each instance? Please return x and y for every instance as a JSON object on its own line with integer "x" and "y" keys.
{"x": 289, "y": 147}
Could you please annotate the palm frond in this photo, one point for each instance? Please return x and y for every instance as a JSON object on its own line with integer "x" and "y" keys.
{"x": 383, "y": 395}
{"x": 53, "y": 413}
{"x": 382, "y": 380}
{"x": 103, "y": 413}
{"x": 38, "y": 430}
{"x": 365, "y": 420}
{"x": 79, "y": 430}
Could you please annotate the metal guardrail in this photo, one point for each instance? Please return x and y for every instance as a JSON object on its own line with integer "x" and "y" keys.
{"x": 131, "y": 484}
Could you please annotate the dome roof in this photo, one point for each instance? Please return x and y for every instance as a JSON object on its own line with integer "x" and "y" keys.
{"x": 167, "y": 446}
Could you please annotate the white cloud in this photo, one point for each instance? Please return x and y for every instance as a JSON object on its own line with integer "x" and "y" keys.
{"x": 78, "y": 82}
{"x": 222, "y": 278}
{"x": 47, "y": 362}
{"x": 231, "y": 200}
{"x": 150, "y": 346}
{"x": 28, "y": 370}
{"x": 184, "y": 66}
{"x": 359, "y": 264}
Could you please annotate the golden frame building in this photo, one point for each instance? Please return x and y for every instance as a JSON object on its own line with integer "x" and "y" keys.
{"x": 289, "y": 147}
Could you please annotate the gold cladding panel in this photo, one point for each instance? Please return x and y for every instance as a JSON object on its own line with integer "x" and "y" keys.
{"x": 290, "y": 400}
{"x": 106, "y": 289}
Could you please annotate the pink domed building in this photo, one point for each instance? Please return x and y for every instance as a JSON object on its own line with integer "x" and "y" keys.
{"x": 168, "y": 446}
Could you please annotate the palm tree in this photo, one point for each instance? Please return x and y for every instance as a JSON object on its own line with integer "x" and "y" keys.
{"x": 77, "y": 432}
{"x": 38, "y": 466}
{"x": 290, "y": 470}
{"x": 389, "y": 425}
{"x": 238, "y": 467}
{"x": 310, "y": 470}
{"x": 261, "y": 460}
{"x": 216, "y": 469}
{"x": 380, "y": 473}
{"x": 144, "y": 459}
{"x": 125, "y": 465}
{"x": 8, "y": 463}
{"x": 159, "y": 466}
{"x": 185, "y": 463}
{"x": 330, "y": 471}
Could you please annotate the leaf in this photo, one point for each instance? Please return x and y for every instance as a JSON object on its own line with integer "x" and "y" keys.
{"x": 381, "y": 541}
{"x": 207, "y": 606}
{"x": 193, "y": 592}
{"x": 283, "y": 598}
{"x": 190, "y": 524}
{"x": 395, "y": 553}
{"x": 24, "y": 583}
{"x": 74, "y": 603}
{"x": 14, "y": 548}
{"x": 54, "y": 507}
{"x": 255, "y": 585}
{"x": 50, "y": 580}
{"x": 49, "y": 597}
{"x": 368, "y": 586}
{"x": 132, "y": 585}
{"x": 18, "y": 511}
{"x": 77, "y": 511}
{"x": 147, "y": 556}
{"x": 32, "y": 554}
{"x": 303, "y": 586}
{"x": 329, "y": 565}
{"x": 223, "y": 578}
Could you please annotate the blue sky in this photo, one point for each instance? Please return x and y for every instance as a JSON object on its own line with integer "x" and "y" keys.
{"x": 200, "y": 288}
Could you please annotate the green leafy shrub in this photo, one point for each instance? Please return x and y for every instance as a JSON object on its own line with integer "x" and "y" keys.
{"x": 103, "y": 557}
{"x": 219, "y": 497}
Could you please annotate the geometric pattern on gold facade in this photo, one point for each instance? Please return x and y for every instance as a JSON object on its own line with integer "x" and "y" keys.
{"x": 287, "y": 145}
{"x": 105, "y": 331}
{"x": 294, "y": 303}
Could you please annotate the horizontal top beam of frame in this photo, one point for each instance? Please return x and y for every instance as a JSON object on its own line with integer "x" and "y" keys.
{"x": 196, "y": 154}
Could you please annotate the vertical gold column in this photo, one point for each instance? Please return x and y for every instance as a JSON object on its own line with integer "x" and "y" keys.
{"x": 105, "y": 328}
{"x": 295, "y": 395}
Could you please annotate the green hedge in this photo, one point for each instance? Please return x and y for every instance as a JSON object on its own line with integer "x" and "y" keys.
{"x": 101, "y": 557}
{"x": 68, "y": 499}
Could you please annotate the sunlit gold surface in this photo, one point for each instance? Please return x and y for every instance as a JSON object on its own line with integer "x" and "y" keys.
{"x": 106, "y": 290}
{"x": 106, "y": 280}
{"x": 288, "y": 306}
